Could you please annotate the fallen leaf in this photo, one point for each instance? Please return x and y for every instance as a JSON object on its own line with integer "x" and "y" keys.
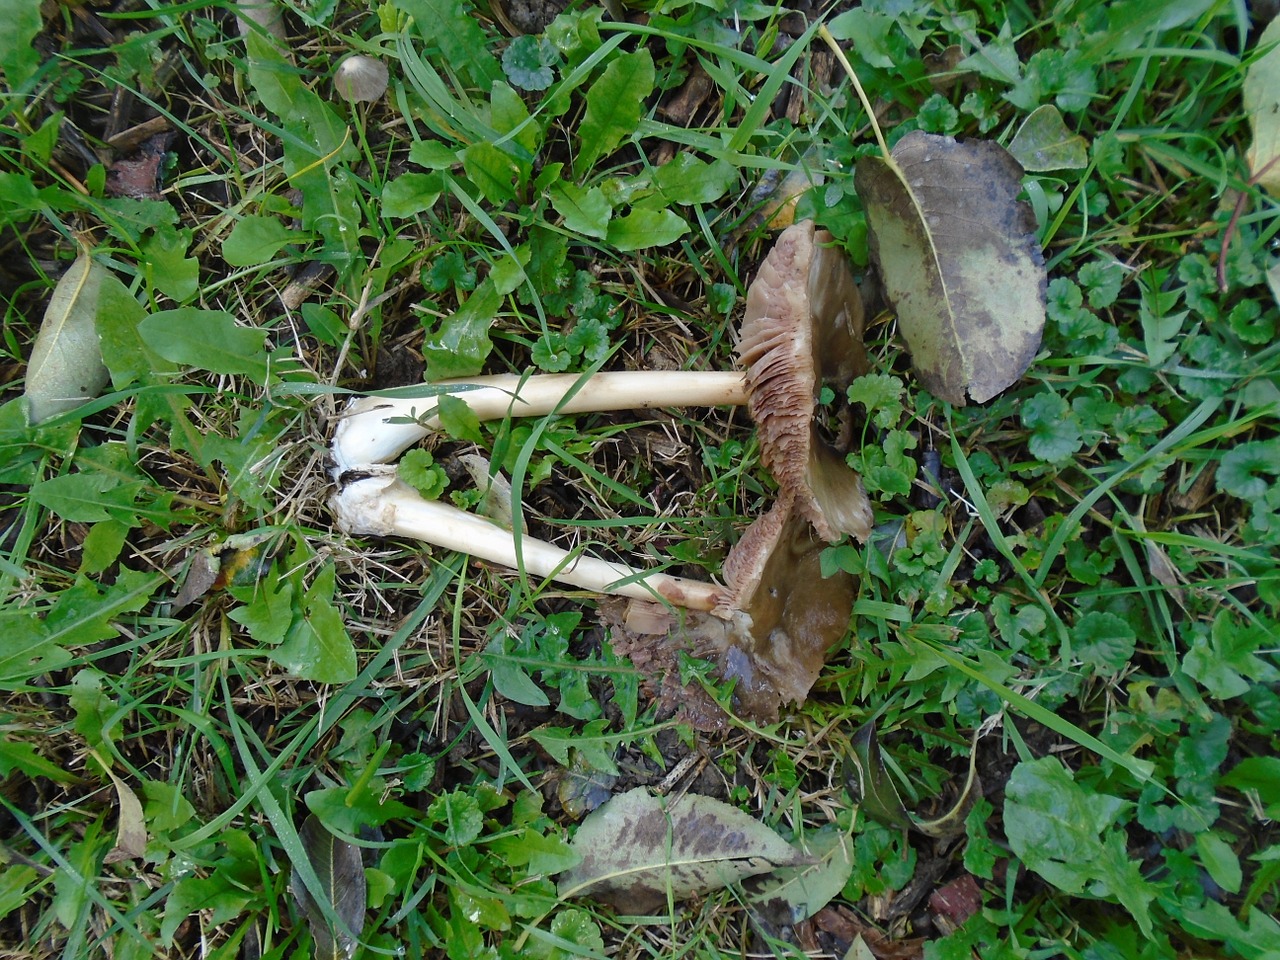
{"x": 637, "y": 849}
{"x": 870, "y": 785}
{"x": 1043, "y": 142}
{"x": 340, "y": 869}
{"x": 959, "y": 261}
{"x": 66, "y": 367}
{"x": 1262, "y": 104}
{"x": 131, "y": 824}
{"x": 957, "y": 901}
{"x": 793, "y": 894}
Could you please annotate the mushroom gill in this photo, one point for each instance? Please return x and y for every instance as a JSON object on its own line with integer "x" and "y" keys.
{"x": 802, "y": 329}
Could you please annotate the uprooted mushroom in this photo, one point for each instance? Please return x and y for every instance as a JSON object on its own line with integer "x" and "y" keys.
{"x": 769, "y": 629}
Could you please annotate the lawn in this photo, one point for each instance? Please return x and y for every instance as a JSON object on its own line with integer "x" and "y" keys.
{"x": 1044, "y": 717}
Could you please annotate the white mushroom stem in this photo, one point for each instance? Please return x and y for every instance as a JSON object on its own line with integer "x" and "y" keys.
{"x": 364, "y": 436}
{"x": 380, "y": 505}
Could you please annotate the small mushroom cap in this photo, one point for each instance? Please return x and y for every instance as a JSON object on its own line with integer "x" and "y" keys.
{"x": 360, "y": 79}
{"x": 802, "y": 328}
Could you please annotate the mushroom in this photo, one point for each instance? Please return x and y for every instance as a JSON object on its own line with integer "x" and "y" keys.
{"x": 360, "y": 79}
{"x": 802, "y": 329}
{"x": 374, "y": 502}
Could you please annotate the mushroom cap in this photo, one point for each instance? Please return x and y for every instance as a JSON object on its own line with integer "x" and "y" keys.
{"x": 771, "y": 634}
{"x": 361, "y": 79}
{"x": 802, "y": 328}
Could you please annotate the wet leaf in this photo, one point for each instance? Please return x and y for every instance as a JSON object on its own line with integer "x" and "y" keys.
{"x": 337, "y": 922}
{"x": 637, "y": 848}
{"x": 1043, "y": 142}
{"x": 793, "y": 894}
{"x": 959, "y": 261}
{"x": 66, "y": 367}
{"x": 1262, "y": 104}
{"x": 870, "y": 785}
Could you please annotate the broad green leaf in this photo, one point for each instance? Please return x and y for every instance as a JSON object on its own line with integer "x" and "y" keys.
{"x": 126, "y": 355}
{"x": 1043, "y": 142}
{"x": 527, "y": 62}
{"x": 317, "y": 646}
{"x": 433, "y": 155}
{"x": 493, "y": 171}
{"x": 638, "y": 850}
{"x": 686, "y": 179}
{"x": 268, "y": 613}
{"x": 509, "y": 115}
{"x": 592, "y": 745}
{"x": 572, "y": 926}
{"x": 66, "y": 366}
{"x": 1220, "y": 861}
{"x": 256, "y": 239}
{"x": 410, "y": 194}
{"x": 585, "y": 209}
{"x": 207, "y": 340}
{"x": 21, "y": 756}
{"x": 1103, "y": 640}
{"x": 958, "y": 257}
{"x": 348, "y": 810}
{"x": 1260, "y": 775}
{"x": 645, "y": 227}
{"x": 510, "y": 679}
{"x": 337, "y": 922}
{"x": 461, "y": 344}
{"x": 615, "y": 104}
{"x": 19, "y": 57}
{"x": 457, "y": 816}
{"x": 1068, "y": 834}
{"x": 169, "y": 268}
{"x": 85, "y": 497}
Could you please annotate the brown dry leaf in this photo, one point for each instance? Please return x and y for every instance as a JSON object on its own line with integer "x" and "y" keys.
{"x": 131, "y": 824}
{"x": 959, "y": 260}
{"x": 638, "y": 851}
{"x": 1262, "y": 104}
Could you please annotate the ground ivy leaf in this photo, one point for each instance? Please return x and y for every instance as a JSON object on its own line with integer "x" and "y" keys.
{"x": 637, "y": 849}
{"x": 207, "y": 340}
{"x": 615, "y": 104}
{"x": 585, "y": 209}
{"x": 645, "y": 227}
{"x": 1043, "y": 142}
{"x": 1103, "y": 640}
{"x": 458, "y": 817}
{"x": 527, "y": 62}
{"x": 1055, "y": 430}
{"x": 958, "y": 256}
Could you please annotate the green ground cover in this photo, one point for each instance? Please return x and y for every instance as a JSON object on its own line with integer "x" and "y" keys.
{"x": 218, "y": 709}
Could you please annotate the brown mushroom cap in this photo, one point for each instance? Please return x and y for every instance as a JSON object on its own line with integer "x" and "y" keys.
{"x": 802, "y": 328}
{"x": 771, "y": 634}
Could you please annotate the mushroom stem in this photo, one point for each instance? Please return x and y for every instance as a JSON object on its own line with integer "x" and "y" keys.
{"x": 380, "y": 505}
{"x": 364, "y": 436}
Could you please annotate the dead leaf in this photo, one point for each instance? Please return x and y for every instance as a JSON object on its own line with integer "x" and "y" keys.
{"x": 1262, "y": 104}
{"x": 1043, "y": 142}
{"x": 959, "y": 261}
{"x": 870, "y": 785}
{"x": 956, "y": 901}
{"x": 131, "y": 824}
{"x": 637, "y": 849}
{"x": 340, "y": 869}
{"x": 66, "y": 367}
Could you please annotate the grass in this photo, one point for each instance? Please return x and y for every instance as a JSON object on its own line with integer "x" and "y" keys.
{"x": 1084, "y": 568}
